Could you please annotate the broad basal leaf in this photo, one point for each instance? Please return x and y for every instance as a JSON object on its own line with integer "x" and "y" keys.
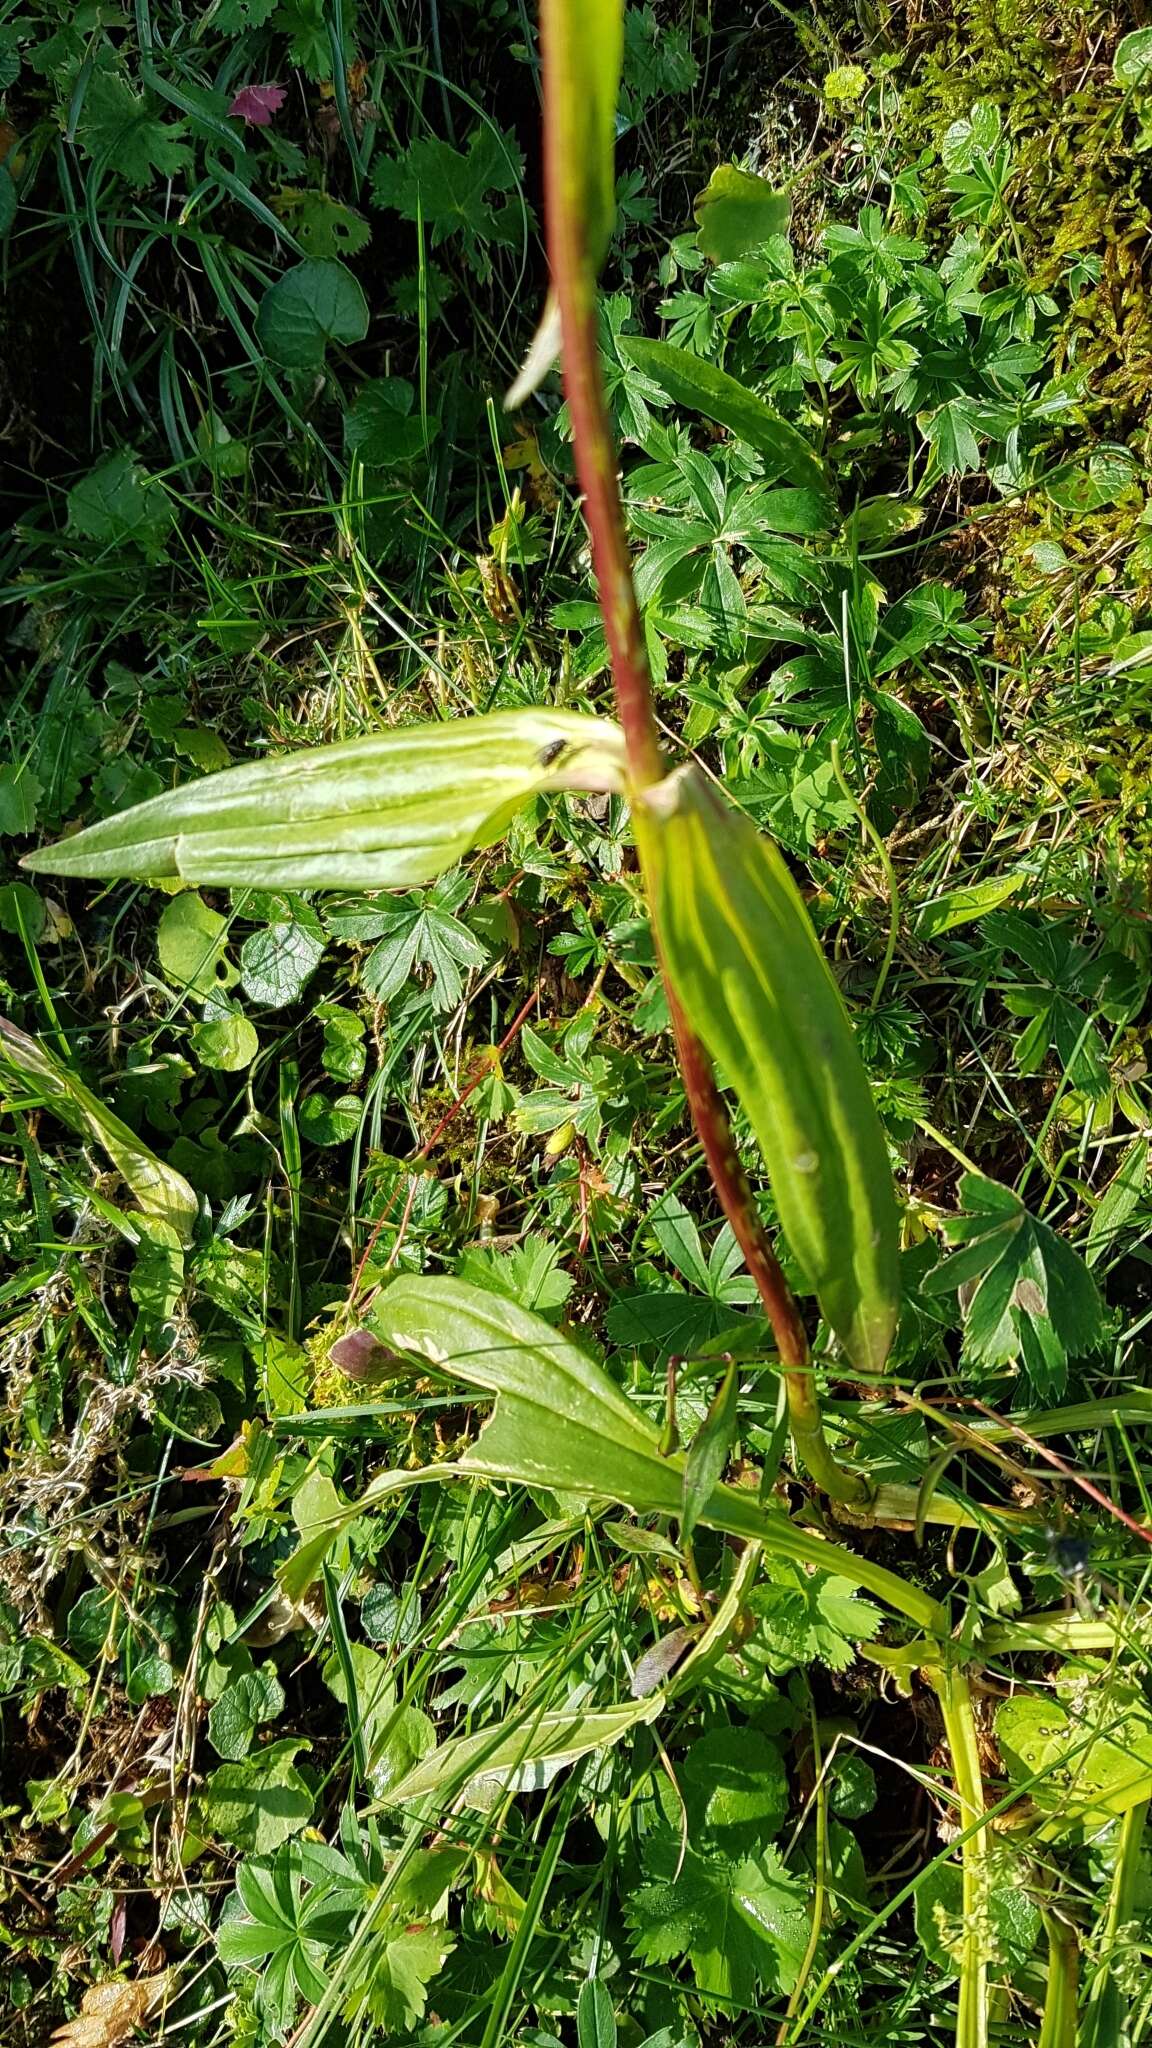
{"x": 309, "y": 306}
{"x": 1028, "y": 1297}
{"x": 1081, "y": 1756}
{"x": 385, "y": 812}
{"x": 559, "y": 1422}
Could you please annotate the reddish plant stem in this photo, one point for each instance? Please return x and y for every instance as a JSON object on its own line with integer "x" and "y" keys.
{"x": 574, "y": 284}
{"x": 595, "y": 452}
{"x": 739, "y": 1205}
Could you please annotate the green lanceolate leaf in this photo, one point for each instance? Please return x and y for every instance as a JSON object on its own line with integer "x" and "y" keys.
{"x": 560, "y": 1421}
{"x": 755, "y": 987}
{"x": 161, "y": 1191}
{"x": 524, "y": 1754}
{"x": 386, "y": 812}
{"x": 693, "y": 381}
{"x": 708, "y": 1454}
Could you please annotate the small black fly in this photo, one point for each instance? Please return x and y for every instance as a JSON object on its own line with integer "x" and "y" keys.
{"x": 552, "y": 752}
{"x": 1070, "y": 1554}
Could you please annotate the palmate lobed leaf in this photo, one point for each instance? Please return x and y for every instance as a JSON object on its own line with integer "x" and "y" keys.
{"x": 1028, "y": 1296}
{"x": 387, "y": 812}
{"x": 740, "y": 1923}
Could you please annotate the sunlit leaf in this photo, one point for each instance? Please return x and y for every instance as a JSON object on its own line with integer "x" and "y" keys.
{"x": 756, "y": 988}
{"x": 737, "y": 212}
{"x": 385, "y": 812}
{"x": 698, "y": 384}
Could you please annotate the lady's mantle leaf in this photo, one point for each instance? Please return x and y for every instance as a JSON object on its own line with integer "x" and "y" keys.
{"x": 740, "y": 1924}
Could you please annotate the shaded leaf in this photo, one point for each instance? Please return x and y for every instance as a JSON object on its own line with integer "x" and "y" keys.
{"x": 256, "y": 104}
{"x": 708, "y": 1454}
{"x": 305, "y": 309}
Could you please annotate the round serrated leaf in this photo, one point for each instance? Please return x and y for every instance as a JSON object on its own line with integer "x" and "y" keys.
{"x": 386, "y": 1618}
{"x": 738, "y": 211}
{"x": 381, "y": 428}
{"x": 95, "y": 1623}
{"x": 254, "y": 1697}
{"x": 276, "y": 963}
{"x": 853, "y": 1786}
{"x": 330, "y": 1123}
{"x": 308, "y": 307}
{"x": 149, "y": 1679}
{"x": 735, "y": 1789}
{"x": 1132, "y": 63}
